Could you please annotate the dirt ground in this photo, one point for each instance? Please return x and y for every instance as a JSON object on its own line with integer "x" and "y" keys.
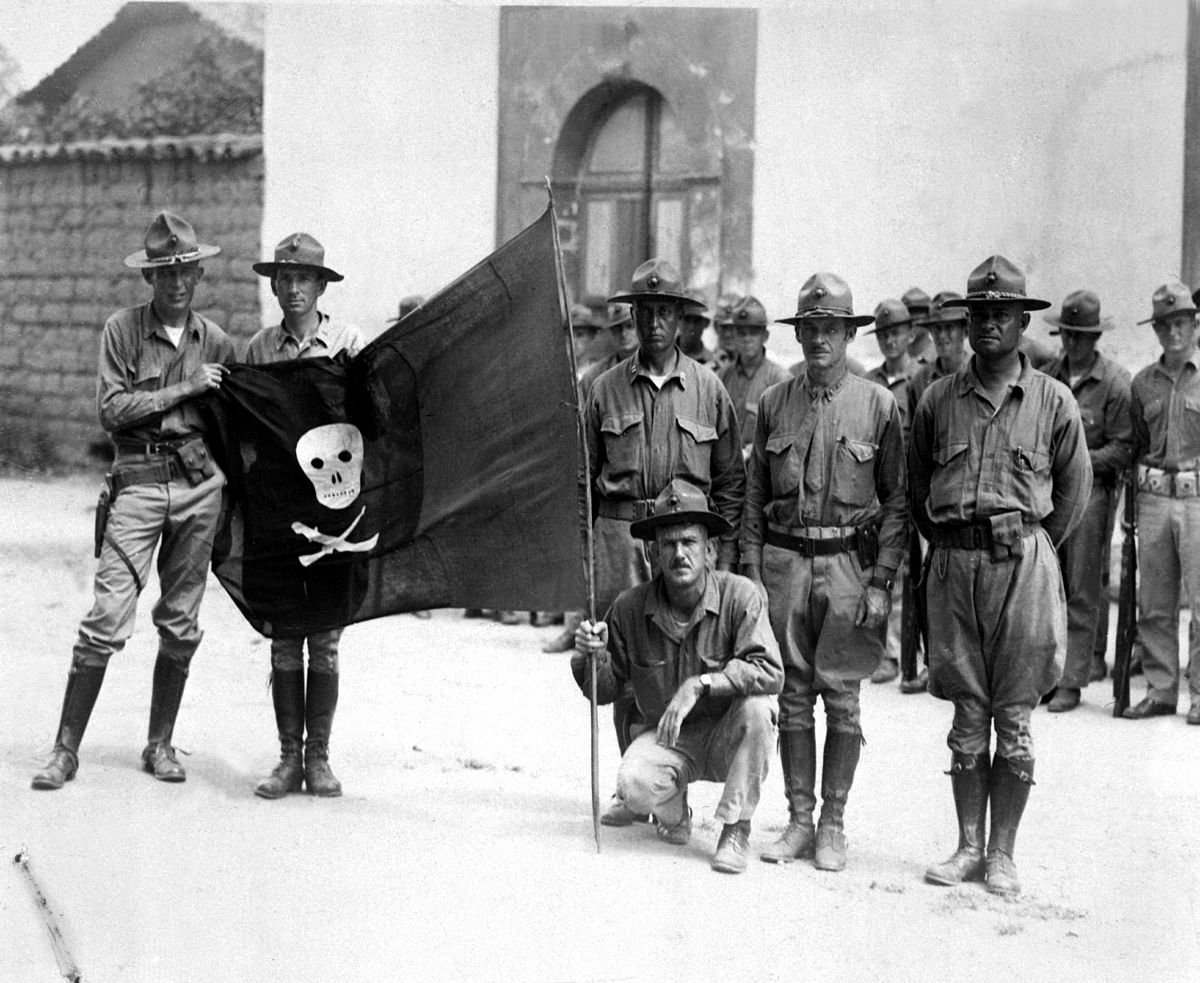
{"x": 462, "y": 849}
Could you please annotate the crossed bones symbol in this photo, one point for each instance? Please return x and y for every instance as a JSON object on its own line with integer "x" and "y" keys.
{"x": 332, "y": 544}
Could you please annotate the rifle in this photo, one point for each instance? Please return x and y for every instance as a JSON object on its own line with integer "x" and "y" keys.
{"x": 912, "y": 610}
{"x": 1127, "y": 599}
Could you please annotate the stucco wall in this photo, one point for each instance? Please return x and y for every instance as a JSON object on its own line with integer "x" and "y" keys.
{"x": 380, "y": 140}
{"x": 901, "y": 142}
{"x": 66, "y": 223}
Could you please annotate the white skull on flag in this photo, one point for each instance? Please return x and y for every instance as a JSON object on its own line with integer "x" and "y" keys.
{"x": 331, "y": 457}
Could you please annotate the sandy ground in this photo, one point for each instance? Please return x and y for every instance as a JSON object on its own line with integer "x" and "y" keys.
{"x": 462, "y": 849}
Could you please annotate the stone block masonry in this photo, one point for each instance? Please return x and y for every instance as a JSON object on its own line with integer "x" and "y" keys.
{"x": 69, "y": 215}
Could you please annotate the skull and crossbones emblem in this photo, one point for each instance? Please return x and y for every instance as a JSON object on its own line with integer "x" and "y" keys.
{"x": 331, "y": 457}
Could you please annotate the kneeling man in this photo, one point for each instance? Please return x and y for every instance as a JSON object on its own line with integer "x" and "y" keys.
{"x": 696, "y": 646}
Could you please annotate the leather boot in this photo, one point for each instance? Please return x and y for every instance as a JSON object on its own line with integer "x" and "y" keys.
{"x": 159, "y": 758}
{"x": 969, "y": 777}
{"x": 318, "y": 718}
{"x": 287, "y": 693}
{"x": 798, "y": 755}
{"x": 83, "y": 686}
{"x": 1010, "y": 782}
{"x": 837, "y": 775}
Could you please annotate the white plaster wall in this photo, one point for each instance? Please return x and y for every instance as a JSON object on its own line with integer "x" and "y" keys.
{"x": 899, "y": 142}
{"x": 380, "y": 140}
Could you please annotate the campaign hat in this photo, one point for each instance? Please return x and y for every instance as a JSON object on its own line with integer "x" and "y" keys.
{"x": 678, "y": 503}
{"x": 582, "y": 319}
{"x": 826, "y": 295}
{"x": 1172, "y": 298}
{"x": 1080, "y": 312}
{"x": 169, "y": 240}
{"x": 656, "y": 279}
{"x": 997, "y": 280}
{"x": 891, "y": 313}
{"x": 749, "y": 312}
{"x": 916, "y": 300}
{"x": 700, "y": 313}
{"x": 298, "y": 249}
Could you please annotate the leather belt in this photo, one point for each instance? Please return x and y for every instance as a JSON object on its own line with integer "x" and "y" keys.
{"x": 1170, "y": 484}
{"x": 154, "y": 473}
{"x": 812, "y": 545}
{"x": 153, "y": 449}
{"x": 972, "y": 537}
{"x": 626, "y": 510}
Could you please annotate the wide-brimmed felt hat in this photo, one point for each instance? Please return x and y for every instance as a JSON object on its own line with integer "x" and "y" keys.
{"x": 700, "y": 313}
{"x": 169, "y": 240}
{"x": 891, "y": 313}
{"x": 298, "y": 249}
{"x": 826, "y": 295}
{"x": 656, "y": 279}
{"x": 619, "y": 315}
{"x": 916, "y": 300}
{"x": 678, "y": 503}
{"x": 582, "y": 319}
{"x": 939, "y": 313}
{"x": 1080, "y": 312}
{"x": 997, "y": 280}
{"x": 749, "y": 313}
{"x": 725, "y": 308}
{"x": 1172, "y": 298}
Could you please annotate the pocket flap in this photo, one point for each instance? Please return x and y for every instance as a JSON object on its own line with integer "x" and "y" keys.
{"x": 701, "y": 433}
{"x": 619, "y": 424}
{"x": 947, "y": 452}
{"x": 779, "y": 443}
{"x": 1030, "y": 460}
{"x": 859, "y": 450}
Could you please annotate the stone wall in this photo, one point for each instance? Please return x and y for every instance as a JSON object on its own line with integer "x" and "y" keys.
{"x": 69, "y": 215}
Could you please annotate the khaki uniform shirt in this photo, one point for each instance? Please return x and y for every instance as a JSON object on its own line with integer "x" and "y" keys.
{"x": 640, "y": 437}
{"x": 275, "y": 344}
{"x": 728, "y": 633}
{"x": 1103, "y": 397}
{"x": 827, "y": 457}
{"x": 138, "y": 360}
{"x": 1166, "y": 416}
{"x": 897, "y": 385}
{"x": 968, "y": 461}
{"x": 746, "y": 388}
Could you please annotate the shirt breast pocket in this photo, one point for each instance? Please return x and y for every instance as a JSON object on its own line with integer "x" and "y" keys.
{"x": 1191, "y": 423}
{"x": 696, "y": 441}
{"x": 854, "y": 472}
{"x": 649, "y": 681}
{"x": 146, "y": 379}
{"x": 623, "y": 444}
{"x": 783, "y": 459}
{"x": 947, "y": 485}
{"x": 1032, "y": 483}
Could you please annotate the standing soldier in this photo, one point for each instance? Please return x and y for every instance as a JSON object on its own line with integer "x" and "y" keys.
{"x": 749, "y": 375}
{"x": 299, "y": 277}
{"x": 691, "y": 330}
{"x": 726, "y": 333}
{"x": 1101, "y": 389}
{"x": 998, "y": 476}
{"x": 1166, "y": 397}
{"x": 921, "y": 346}
{"x": 656, "y": 416}
{"x": 894, "y": 334}
{"x": 155, "y": 359}
{"x": 823, "y": 534}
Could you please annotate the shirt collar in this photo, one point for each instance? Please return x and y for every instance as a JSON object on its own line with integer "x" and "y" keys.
{"x": 282, "y": 336}
{"x": 656, "y": 606}
{"x": 968, "y": 380}
{"x": 1159, "y": 366}
{"x": 827, "y": 394}
{"x": 636, "y": 368}
{"x": 151, "y": 324}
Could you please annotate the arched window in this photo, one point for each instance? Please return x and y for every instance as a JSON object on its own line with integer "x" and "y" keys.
{"x": 621, "y": 181}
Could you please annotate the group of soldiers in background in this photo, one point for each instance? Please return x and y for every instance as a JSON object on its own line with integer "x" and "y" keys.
{"x": 1014, "y": 460}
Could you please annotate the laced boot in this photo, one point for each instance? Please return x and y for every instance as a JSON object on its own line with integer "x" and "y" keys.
{"x": 159, "y": 758}
{"x": 319, "y": 707}
{"x": 969, "y": 775}
{"x": 287, "y": 693}
{"x": 837, "y": 776}
{"x": 83, "y": 686}
{"x": 798, "y": 755}
{"x": 732, "y": 847}
{"x": 1010, "y": 782}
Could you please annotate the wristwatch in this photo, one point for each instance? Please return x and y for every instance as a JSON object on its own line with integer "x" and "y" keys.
{"x": 705, "y": 684}
{"x": 883, "y": 583}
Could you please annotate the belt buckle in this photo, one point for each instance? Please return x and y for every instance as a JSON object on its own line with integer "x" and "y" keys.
{"x": 808, "y": 547}
{"x": 978, "y": 540}
{"x": 1186, "y": 484}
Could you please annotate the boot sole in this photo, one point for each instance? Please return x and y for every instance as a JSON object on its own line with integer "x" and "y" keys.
{"x": 48, "y": 784}
{"x": 785, "y": 860}
{"x": 267, "y": 793}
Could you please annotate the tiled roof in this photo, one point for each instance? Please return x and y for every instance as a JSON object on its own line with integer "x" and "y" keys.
{"x": 221, "y": 146}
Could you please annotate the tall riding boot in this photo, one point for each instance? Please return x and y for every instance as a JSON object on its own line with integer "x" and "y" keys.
{"x": 798, "y": 754}
{"x": 170, "y": 677}
{"x": 321, "y": 702}
{"x": 1011, "y": 779}
{"x": 287, "y": 693}
{"x": 837, "y": 775}
{"x": 969, "y": 775}
{"x": 83, "y": 686}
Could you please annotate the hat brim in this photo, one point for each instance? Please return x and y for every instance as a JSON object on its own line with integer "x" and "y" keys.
{"x": 140, "y": 261}
{"x": 852, "y": 320}
{"x": 1027, "y": 303}
{"x": 1163, "y": 317}
{"x": 894, "y": 324}
{"x": 644, "y": 528}
{"x": 1106, "y": 324}
{"x": 269, "y": 270}
{"x": 653, "y": 295}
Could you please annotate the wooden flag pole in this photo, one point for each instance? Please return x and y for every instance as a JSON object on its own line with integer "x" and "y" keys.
{"x": 589, "y": 545}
